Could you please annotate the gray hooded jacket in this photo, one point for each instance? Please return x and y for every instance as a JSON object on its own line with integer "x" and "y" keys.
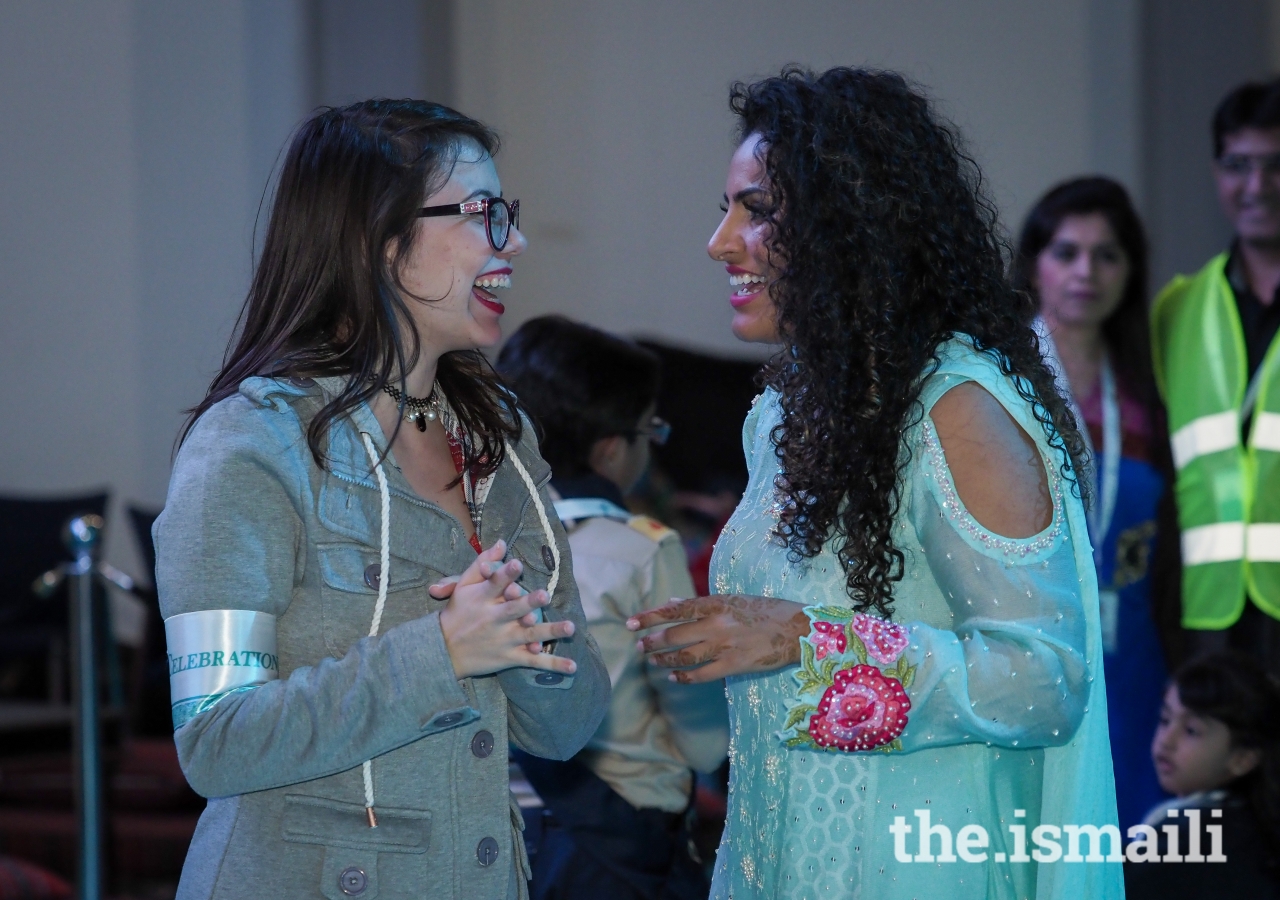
{"x": 254, "y": 528}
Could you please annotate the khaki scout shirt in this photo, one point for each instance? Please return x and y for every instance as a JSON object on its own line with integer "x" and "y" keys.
{"x": 656, "y": 730}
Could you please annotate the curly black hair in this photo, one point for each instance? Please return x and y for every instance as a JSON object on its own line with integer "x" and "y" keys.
{"x": 884, "y": 245}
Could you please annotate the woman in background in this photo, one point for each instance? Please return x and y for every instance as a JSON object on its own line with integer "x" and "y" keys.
{"x": 1082, "y": 256}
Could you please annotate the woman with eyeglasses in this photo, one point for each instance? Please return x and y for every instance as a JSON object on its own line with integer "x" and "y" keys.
{"x": 366, "y": 593}
{"x": 906, "y": 607}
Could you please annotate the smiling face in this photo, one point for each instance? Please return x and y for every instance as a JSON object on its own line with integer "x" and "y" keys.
{"x": 740, "y": 243}
{"x": 451, "y": 271}
{"x": 1250, "y": 193}
{"x": 1082, "y": 274}
{"x": 1193, "y": 753}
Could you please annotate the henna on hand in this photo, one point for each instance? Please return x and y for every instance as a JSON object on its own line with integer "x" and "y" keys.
{"x": 723, "y": 635}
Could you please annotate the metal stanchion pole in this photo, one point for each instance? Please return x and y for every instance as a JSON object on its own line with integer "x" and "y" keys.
{"x": 82, "y": 538}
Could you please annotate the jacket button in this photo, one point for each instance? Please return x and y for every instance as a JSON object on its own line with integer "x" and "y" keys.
{"x": 444, "y": 721}
{"x": 487, "y": 851}
{"x": 301, "y": 381}
{"x": 548, "y": 678}
{"x": 372, "y": 575}
{"x": 352, "y": 881}
{"x": 482, "y": 744}
{"x": 547, "y": 559}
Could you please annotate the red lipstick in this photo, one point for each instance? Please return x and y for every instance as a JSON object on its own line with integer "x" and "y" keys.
{"x": 492, "y": 305}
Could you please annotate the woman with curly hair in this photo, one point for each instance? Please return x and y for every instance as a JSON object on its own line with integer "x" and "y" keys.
{"x": 906, "y": 606}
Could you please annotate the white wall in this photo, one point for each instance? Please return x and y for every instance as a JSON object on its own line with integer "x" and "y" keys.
{"x": 136, "y": 140}
{"x": 69, "y": 330}
{"x": 380, "y": 48}
{"x": 218, "y": 87}
{"x": 618, "y": 132}
{"x": 136, "y": 137}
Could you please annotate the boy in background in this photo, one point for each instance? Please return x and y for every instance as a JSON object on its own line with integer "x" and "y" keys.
{"x": 619, "y": 808}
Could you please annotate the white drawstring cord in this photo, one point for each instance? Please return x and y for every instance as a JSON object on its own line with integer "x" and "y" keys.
{"x": 542, "y": 517}
{"x": 384, "y": 573}
{"x": 384, "y": 567}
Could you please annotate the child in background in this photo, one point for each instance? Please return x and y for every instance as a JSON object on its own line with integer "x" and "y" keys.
{"x": 618, "y": 825}
{"x": 1215, "y": 749}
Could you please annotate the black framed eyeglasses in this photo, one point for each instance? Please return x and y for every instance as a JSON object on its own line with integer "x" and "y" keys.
{"x": 499, "y": 216}
{"x": 658, "y": 432}
{"x": 1241, "y": 165}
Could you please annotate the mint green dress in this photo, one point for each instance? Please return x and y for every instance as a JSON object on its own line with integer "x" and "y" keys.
{"x": 1001, "y": 660}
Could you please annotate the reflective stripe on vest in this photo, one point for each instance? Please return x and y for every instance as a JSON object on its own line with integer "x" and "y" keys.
{"x": 1219, "y": 542}
{"x": 1226, "y": 541}
{"x": 1262, "y": 543}
{"x": 1207, "y": 434}
{"x": 1228, "y": 494}
{"x": 1265, "y": 433}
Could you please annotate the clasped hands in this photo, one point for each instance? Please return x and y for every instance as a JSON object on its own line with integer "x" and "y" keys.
{"x": 491, "y": 623}
{"x": 725, "y": 634}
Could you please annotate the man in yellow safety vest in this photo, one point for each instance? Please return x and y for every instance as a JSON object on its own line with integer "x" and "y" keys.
{"x": 1218, "y": 369}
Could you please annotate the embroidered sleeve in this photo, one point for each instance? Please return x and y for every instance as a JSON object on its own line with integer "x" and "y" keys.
{"x": 852, "y": 683}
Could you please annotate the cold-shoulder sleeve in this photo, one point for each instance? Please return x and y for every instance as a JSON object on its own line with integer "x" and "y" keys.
{"x": 1009, "y": 670}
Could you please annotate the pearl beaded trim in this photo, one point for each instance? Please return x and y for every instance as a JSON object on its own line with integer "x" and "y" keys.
{"x": 1015, "y": 549}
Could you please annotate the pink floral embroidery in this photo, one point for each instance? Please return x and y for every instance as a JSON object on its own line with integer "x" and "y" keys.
{"x": 861, "y": 710}
{"x": 827, "y": 637}
{"x": 884, "y": 640}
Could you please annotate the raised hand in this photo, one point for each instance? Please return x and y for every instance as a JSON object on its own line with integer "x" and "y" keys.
{"x": 488, "y": 624}
{"x": 725, "y": 634}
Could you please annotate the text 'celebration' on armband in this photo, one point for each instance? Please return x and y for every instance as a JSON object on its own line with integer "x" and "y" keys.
{"x": 216, "y": 652}
{"x": 852, "y": 683}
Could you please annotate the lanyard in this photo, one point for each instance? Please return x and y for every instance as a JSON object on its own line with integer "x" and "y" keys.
{"x": 1106, "y": 483}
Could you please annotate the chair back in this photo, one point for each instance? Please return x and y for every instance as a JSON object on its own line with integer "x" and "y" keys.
{"x": 30, "y": 545}
{"x": 142, "y": 520}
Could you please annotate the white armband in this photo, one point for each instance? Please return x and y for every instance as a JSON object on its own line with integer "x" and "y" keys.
{"x": 215, "y": 652}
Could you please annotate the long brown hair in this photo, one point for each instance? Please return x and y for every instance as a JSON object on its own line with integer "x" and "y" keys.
{"x": 327, "y": 297}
